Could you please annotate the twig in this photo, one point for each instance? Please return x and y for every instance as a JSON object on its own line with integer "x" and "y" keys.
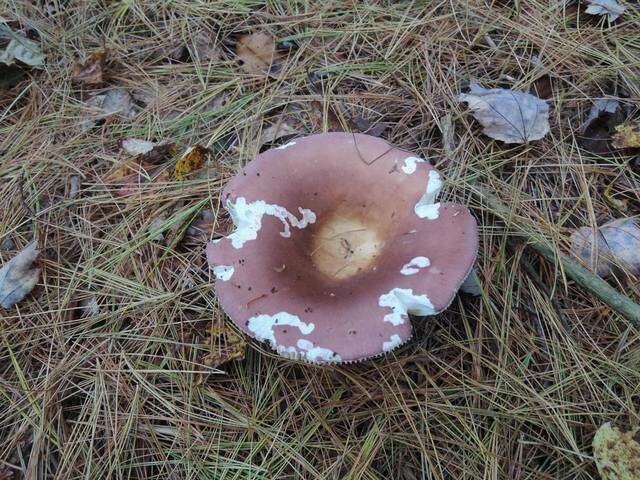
{"x": 591, "y": 282}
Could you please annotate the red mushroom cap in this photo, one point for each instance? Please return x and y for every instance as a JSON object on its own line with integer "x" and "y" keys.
{"x": 338, "y": 237}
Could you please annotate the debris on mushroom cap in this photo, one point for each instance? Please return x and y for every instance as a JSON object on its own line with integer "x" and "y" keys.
{"x": 223, "y": 272}
{"x": 338, "y": 238}
{"x": 247, "y": 217}
{"x": 415, "y": 265}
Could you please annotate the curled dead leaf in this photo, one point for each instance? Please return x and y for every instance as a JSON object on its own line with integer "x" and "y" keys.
{"x": 508, "y": 115}
{"x": 18, "y": 276}
{"x": 613, "y": 8}
{"x": 20, "y": 48}
{"x": 153, "y": 153}
{"x": 91, "y": 71}
{"x": 600, "y": 106}
{"x": 617, "y": 246}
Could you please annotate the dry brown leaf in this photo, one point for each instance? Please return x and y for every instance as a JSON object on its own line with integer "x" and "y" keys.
{"x": 257, "y": 52}
{"x": 600, "y": 106}
{"x": 274, "y": 132}
{"x": 147, "y": 166}
{"x": 123, "y": 170}
{"x": 190, "y": 160}
{"x": 628, "y": 136}
{"x": 199, "y": 232}
{"x": 321, "y": 119}
{"x": 160, "y": 153}
{"x": 18, "y": 276}
{"x": 150, "y": 152}
{"x": 206, "y": 48}
{"x": 90, "y": 72}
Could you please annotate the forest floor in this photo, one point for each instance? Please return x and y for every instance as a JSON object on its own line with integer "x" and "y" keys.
{"x": 120, "y": 364}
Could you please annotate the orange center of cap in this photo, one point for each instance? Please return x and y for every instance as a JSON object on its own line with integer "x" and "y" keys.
{"x": 345, "y": 244}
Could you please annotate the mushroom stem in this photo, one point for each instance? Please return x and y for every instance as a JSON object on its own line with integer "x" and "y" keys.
{"x": 601, "y": 289}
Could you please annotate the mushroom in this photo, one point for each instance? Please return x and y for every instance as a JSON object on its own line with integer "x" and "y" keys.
{"x": 338, "y": 238}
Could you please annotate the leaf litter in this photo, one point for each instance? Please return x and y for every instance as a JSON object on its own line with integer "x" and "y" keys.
{"x": 224, "y": 345}
{"x": 191, "y": 159}
{"x": 18, "y": 276}
{"x": 617, "y": 247}
{"x": 613, "y": 8}
{"x": 508, "y": 115}
{"x": 257, "y": 53}
{"x": 596, "y": 132}
{"x": 20, "y": 48}
{"x": 600, "y": 106}
{"x": 91, "y": 71}
{"x": 275, "y": 132}
{"x": 136, "y": 146}
{"x": 205, "y": 48}
{"x": 115, "y": 102}
{"x": 627, "y": 136}
{"x": 151, "y": 162}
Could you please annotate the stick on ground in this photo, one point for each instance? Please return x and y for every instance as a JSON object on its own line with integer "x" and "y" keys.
{"x": 594, "y": 284}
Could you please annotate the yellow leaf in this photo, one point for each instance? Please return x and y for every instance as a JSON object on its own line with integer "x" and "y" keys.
{"x": 224, "y": 345}
{"x": 191, "y": 160}
{"x": 617, "y": 453}
{"x": 628, "y": 136}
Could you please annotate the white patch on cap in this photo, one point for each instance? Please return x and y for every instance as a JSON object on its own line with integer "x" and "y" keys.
{"x": 247, "y": 217}
{"x": 307, "y": 351}
{"x": 289, "y": 352}
{"x": 317, "y": 354}
{"x": 427, "y": 206}
{"x": 394, "y": 341}
{"x": 223, "y": 272}
{"x": 262, "y": 325}
{"x": 402, "y": 301}
{"x": 286, "y": 145}
{"x": 415, "y": 265}
{"x": 410, "y": 164}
